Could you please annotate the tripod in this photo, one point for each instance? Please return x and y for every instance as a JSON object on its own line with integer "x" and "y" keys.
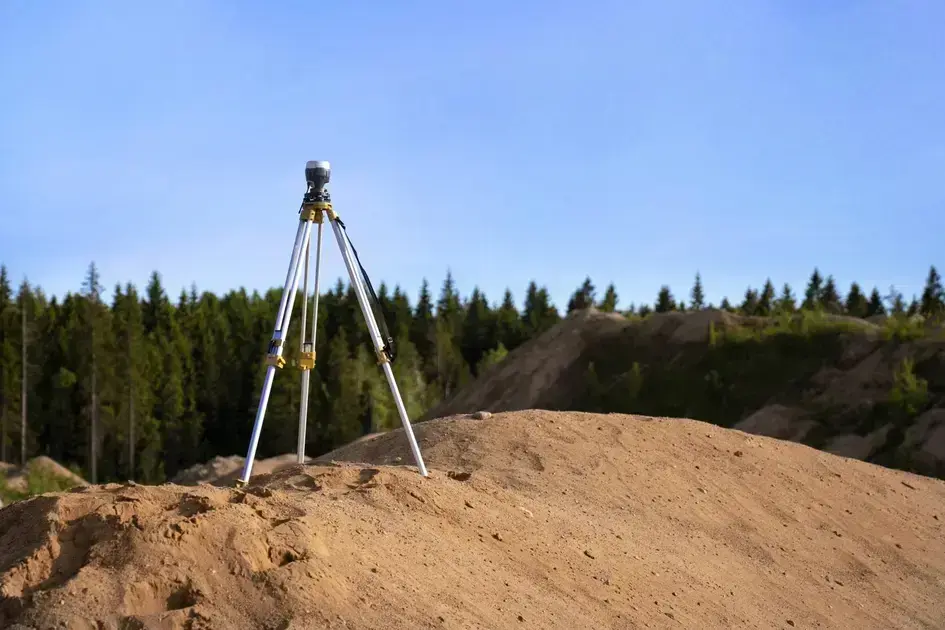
{"x": 316, "y": 204}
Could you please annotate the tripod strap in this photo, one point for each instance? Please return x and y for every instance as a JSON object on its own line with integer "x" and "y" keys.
{"x": 378, "y": 311}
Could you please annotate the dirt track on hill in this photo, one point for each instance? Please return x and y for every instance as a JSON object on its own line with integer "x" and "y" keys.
{"x": 528, "y": 520}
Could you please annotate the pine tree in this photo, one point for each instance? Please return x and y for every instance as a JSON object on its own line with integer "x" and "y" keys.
{"x": 583, "y": 298}
{"x": 9, "y": 372}
{"x": 475, "y": 337}
{"x": 94, "y": 364}
{"x": 25, "y": 305}
{"x": 856, "y": 303}
{"x": 539, "y": 314}
{"x": 766, "y": 300}
{"x": 830, "y": 299}
{"x": 423, "y": 331}
{"x": 608, "y": 303}
{"x": 914, "y": 307}
{"x": 664, "y": 300}
{"x": 875, "y": 306}
{"x": 509, "y": 330}
{"x": 933, "y": 295}
{"x": 750, "y": 302}
{"x": 812, "y": 295}
{"x": 696, "y": 295}
{"x": 787, "y": 303}
{"x": 725, "y": 305}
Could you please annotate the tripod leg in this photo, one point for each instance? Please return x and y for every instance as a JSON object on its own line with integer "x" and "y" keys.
{"x": 276, "y": 346}
{"x": 378, "y": 341}
{"x": 308, "y": 348}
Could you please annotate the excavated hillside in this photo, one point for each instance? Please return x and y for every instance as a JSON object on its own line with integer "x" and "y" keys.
{"x": 530, "y": 519}
{"x": 870, "y": 391}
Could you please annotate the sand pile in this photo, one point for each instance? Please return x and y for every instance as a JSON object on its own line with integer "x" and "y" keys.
{"x": 528, "y": 520}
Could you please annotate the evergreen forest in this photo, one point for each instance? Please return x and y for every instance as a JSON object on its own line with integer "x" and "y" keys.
{"x": 147, "y": 384}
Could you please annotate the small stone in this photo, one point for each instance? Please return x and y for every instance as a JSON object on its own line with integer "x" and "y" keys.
{"x": 521, "y": 618}
{"x": 497, "y": 536}
{"x": 908, "y": 485}
{"x": 481, "y": 415}
{"x": 589, "y": 554}
{"x": 790, "y": 623}
{"x": 468, "y": 504}
{"x": 738, "y": 453}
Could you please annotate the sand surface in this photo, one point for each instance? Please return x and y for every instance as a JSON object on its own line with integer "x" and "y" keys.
{"x": 528, "y": 520}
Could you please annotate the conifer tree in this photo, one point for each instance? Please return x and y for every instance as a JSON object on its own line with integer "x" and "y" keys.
{"x": 856, "y": 304}
{"x": 812, "y": 295}
{"x": 477, "y": 324}
{"x": 423, "y": 331}
{"x": 933, "y": 295}
{"x": 725, "y": 305}
{"x": 787, "y": 303}
{"x": 830, "y": 299}
{"x": 583, "y": 298}
{"x": 94, "y": 365}
{"x": 766, "y": 300}
{"x": 509, "y": 330}
{"x": 539, "y": 313}
{"x": 664, "y": 300}
{"x": 9, "y": 370}
{"x": 608, "y": 303}
{"x": 697, "y": 295}
{"x": 750, "y": 302}
{"x": 875, "y": 306}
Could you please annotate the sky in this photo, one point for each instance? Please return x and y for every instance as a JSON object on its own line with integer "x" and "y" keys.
{"x": 632, "y": 142}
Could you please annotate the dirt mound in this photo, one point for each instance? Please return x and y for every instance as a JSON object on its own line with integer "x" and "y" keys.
{"x": 223, "y": 471}
{"x": 528, "y": 520}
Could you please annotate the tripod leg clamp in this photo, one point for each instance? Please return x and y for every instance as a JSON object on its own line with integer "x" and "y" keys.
{"x": 307, "y": 360}
{"x": 275, "y": 360}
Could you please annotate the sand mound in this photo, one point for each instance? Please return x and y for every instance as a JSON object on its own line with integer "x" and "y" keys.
{"x": 223, "y": 471}
{"x": 528, "y": 520}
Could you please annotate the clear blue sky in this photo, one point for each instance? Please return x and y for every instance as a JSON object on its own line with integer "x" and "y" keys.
{"x": 635, "y": 142}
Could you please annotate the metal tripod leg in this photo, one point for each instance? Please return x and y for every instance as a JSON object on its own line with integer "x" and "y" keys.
{"x": 279, "y": 336}
{"x": 377, "y": 340}
{"x": 307, "y": 358}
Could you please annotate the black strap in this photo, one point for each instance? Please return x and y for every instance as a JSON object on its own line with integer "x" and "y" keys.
{"x": 376, "y": 307}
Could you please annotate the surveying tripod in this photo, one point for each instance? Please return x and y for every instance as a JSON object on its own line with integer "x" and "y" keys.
{"x": 316, "y": 205}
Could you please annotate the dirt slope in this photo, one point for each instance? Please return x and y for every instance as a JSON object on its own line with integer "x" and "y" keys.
{"x": 528, "y": 520}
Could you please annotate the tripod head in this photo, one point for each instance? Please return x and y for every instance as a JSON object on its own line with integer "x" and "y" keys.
{"x": 317, "y": 174}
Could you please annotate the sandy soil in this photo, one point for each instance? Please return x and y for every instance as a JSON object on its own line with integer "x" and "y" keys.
{"x": 528, "y": 520}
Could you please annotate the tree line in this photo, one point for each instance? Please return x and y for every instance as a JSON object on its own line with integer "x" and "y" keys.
{"x": 144, "y": 385}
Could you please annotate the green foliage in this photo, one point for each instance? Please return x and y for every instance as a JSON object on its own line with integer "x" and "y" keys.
{"x": 910, "y": 393}
{"x": 491, "y": 358}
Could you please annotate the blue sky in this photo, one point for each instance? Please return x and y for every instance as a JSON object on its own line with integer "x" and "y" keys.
{"x": 634, "y": 142}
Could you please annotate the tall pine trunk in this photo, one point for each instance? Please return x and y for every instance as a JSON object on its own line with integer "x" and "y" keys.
{"x": 23, "y": 391}
{"x": 93, "y": 446}
{"x": 131, "y": 413}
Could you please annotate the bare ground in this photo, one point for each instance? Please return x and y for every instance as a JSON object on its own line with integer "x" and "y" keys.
{"x": 529, "y": 519}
